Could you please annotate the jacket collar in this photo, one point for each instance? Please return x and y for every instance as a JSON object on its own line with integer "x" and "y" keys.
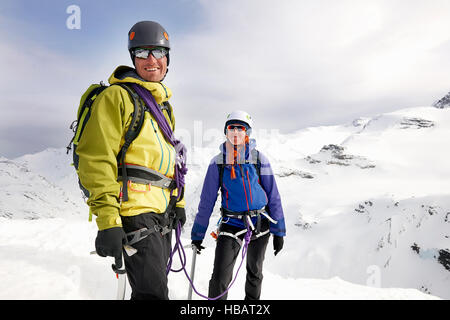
{"x": 122, "y": 74}
{"x": 244, "y": 151}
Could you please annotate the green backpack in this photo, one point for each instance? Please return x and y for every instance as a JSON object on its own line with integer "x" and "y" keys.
{"x": 83, "y": 115}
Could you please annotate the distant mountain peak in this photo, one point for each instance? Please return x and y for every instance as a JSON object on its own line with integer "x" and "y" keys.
{"x": 443, "y": 102}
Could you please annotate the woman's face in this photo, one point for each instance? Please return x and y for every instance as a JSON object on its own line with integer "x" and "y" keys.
{"x": 236, "y": 134}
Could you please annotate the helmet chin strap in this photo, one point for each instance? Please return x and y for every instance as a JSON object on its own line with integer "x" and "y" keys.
{"x": 167, "y": 70}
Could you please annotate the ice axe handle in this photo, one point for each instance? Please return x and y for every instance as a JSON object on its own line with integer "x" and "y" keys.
{"x": 194, "y": 258}
{"x": 117, "y": 267}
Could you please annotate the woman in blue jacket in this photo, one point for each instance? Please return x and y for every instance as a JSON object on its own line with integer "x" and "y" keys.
{"x": 250, "y": 200}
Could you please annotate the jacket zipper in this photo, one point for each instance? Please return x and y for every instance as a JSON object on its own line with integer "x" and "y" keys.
{"x": 249, "y": 187}
{"x": 245, "y": 191}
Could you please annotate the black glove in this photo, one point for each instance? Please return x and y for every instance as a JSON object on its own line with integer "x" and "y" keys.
{"x": 180, "y": 216}
{"x": 198, "y": 245}
{"x": 277, "y": 244}
{"x": 109, "y": 242}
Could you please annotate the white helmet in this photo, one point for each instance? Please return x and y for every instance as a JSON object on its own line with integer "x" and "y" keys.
{"x": 239, "y": 116}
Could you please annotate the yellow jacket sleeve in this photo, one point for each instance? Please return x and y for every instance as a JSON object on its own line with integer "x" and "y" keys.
{"x": 97, "y": 151}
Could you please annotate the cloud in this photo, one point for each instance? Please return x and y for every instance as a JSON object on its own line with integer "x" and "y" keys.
{"x": 290, "y": 64}
{"x": 39, "y": 96}
{"x": 42, "y": 87}
{"x": 293, "y": 64}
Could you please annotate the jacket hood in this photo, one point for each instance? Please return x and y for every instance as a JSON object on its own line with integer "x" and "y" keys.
{"x": 122, "y": 74}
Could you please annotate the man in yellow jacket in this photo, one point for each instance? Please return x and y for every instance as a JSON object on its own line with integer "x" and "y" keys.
{"x": 147, "y": 204}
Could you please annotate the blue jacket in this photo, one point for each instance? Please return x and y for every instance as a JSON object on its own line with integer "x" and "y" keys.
{"x": 243, "y": 193}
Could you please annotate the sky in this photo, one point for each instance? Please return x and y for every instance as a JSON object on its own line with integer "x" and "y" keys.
{"x": 290, "y": 63}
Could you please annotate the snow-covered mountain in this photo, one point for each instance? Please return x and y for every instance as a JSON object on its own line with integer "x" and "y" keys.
{"x": 29, "y": 194}
{"x": 374, "y": 197}
{"x": 367, "y": 208}
{"x": 444, "y": 102}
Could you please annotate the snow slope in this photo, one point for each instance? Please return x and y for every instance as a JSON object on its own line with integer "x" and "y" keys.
{"x": 28, "y": 195}
{"x": 49, "y": 259}
{"x": 367, "y": 211}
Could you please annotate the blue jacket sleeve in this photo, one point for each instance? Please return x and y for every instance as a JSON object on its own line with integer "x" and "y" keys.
{"x": 269, "y": 185}
{"x": 207, "y": 201}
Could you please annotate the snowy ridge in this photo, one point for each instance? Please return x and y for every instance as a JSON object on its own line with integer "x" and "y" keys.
{"x": 367, "y": 209}
{"x": 56, "y": 166}
{"x": 27, "y": 195}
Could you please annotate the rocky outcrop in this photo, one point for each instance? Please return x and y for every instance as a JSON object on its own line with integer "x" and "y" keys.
{"x": 415, "y": 123}
{"x": 334, "y": 155}
{"x": 443, "y": 102}
{"x": 287, "y": 172}
{"x": 440, "y": 255}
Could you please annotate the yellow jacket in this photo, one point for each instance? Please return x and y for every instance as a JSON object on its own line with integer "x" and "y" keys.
{"x": 101, "y": 141}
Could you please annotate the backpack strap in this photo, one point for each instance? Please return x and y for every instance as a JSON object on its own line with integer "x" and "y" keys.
{"x": 144, "y": 175}
{"x": 220, "y": 161}
{"x": 166, "y": 106}
{"x": 131, "y": 134}
{"x": 83, "y": 114}
{"x": 257, "y": 164}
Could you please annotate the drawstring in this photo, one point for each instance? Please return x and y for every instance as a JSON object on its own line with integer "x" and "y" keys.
{"x": 249, "y": 187}
{"x": 237, "y": 154}
{"x": 245, "y": 191}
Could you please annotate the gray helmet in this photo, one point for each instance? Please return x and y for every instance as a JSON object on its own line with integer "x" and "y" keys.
{"x": 148, "y": 33}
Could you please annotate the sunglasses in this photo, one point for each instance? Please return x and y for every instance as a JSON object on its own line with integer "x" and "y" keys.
{"x": 144, "y": 53}
{"x": 239, "y": 127}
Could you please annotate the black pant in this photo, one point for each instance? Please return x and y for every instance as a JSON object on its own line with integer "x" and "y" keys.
{"x": 227, "y": 251}
{"x": 146, "y": 269}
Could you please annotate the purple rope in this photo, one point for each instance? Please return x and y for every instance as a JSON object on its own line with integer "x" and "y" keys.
{"x": 180, "y": 149}
{"x": 175, "y": 249}
{"x": 181, "y": 252}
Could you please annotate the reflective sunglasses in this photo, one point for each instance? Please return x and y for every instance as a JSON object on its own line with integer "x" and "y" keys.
{"x": 144, "y": 53}
{"x": 239, "y": 127}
